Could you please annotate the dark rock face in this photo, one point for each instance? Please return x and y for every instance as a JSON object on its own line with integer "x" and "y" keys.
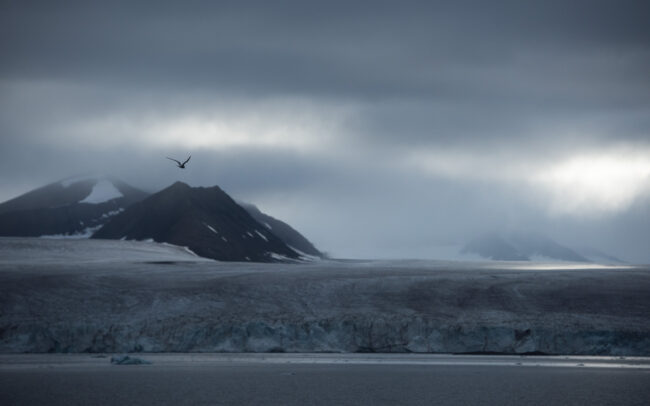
{"x": 58, "y": 208}
{"x": 284, "y": 231}
{"x": 206, "y": 220}
{"x": 520, "y": 247}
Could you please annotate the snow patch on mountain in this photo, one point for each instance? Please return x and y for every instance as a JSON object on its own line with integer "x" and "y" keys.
{"x": 279, "y": 257}
{"x": 85, "y": 233}
{"x": 211, "y": 229}
{"x": 262, "y": 236}
{"x": 186, "y": 249}
{"x": 305, "y": 256}
{"x": 103, "y": 191}
{"x": 113, "y": 213}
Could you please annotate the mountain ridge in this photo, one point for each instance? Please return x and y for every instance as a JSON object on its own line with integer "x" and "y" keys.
{"x": 288, "y": 234}
{"x": 80, "y": 207}
{"x": 520, "y": 246}
{"x": 67, "y": 208}
{"x": 206, "y": 220}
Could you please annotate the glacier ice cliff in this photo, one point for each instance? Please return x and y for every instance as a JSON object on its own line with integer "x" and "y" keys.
{"x": 127, "y": 304}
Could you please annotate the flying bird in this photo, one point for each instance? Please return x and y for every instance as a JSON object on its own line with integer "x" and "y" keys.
{"x": 179, "y": 164}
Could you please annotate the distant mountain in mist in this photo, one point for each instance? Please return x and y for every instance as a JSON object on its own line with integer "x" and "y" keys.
{"x": 206, "y": 220}
{"x": 493, "y": 246}
{"x": 72, "y": 207}
{"x": 598, "y": 256}
{"x": 528, "y": 246}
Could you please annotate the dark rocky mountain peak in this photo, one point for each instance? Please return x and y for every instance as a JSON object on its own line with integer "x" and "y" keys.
{"x": 206, "y": 220}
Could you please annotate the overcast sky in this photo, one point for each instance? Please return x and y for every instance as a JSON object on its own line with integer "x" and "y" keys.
{"x": 378, "y": 129}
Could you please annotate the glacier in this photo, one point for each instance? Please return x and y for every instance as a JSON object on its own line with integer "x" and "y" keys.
{"x": 127, "y": 296}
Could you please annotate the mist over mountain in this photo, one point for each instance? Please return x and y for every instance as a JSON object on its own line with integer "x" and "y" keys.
{"x": 493, "y": 246}
{"x": 520, "y": 246}
{"x": 213, "y": 225}
{"x": 74, "y": 207}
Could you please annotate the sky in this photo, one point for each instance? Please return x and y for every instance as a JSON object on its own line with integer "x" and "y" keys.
{"x": 383, "y": 129}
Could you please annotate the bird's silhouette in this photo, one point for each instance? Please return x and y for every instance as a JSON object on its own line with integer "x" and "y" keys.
{"x": 179, "y": 164}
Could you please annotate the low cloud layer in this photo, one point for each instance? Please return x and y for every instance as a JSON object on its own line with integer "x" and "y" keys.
{"x": 377, "y": 129}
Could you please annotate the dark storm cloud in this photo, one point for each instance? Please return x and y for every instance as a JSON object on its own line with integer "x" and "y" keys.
{"x": 438, "y": 71}
{"x": 82, "y": 84}
{"x": 362, "y": 50}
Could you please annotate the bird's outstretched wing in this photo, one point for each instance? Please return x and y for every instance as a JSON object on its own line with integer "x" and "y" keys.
{"x": 178, "y": 162}
{"x": 188, "y": 159}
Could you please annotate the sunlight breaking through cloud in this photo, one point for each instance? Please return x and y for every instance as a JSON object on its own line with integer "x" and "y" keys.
{"x": 589, "y": 184}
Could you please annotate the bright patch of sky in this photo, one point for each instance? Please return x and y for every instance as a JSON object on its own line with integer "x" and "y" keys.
{"x": 581, "y": 184}
{"x": 588, "y": 184}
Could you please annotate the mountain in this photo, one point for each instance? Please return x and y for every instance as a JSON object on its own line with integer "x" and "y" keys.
{"x": 536, "y": 246}
{"x": 73, "y": 207}
{"x": 206, "y": 220}
{"x": 493, "y": 246}
{"x": 284, "y": 231}
{"x": 598, "y": 256}
{"x": 520, "y": 247}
